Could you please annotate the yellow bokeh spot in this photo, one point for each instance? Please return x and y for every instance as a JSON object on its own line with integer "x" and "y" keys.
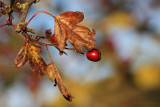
{"x": 119, "y": 19}
{"x": 147, "y": 77}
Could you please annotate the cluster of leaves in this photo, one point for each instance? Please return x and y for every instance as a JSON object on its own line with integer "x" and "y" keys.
{"x": 66, "y": 28}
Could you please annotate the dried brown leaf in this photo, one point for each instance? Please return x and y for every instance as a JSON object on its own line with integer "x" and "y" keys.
{"x": 21, "y": 58}
{"x": 38, "y": 65}
{"x": 70, "y": 19}
{"x": 48, "y": 37}
{"x": 48, "y": 33}
{"x": 53, "y": 74}
{"x": 79, "y": 36}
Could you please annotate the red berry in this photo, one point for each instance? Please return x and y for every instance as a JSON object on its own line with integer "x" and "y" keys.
{"x": 94, "y": 55}
{"x": 53, "y": 38}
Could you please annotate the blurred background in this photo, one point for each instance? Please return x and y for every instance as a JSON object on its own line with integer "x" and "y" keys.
{"x": 128, "y": 36}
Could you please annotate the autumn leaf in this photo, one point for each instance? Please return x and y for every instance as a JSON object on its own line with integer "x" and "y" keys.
{"x": 48, "y": 38}
{"x": 38, "y": 65}
{"x": 66, "y": 28}
{"x": 21, "y": 58}
{"x": 53, "y": 74}
{"x": 48, "y": 33}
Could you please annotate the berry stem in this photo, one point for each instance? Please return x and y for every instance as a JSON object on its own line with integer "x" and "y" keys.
{"x": 38, "y": 13}
{"x": 75, "y": 50}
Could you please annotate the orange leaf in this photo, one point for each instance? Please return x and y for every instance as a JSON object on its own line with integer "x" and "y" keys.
{"x": 79, "y": 36}
{"x": 38, "y": 65}
{"x": 21, "y": 58}
{"x": 53, "y": 74}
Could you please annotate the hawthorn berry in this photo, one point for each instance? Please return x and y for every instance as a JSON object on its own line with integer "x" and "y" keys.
{"x": 53, "y": 38}
{"x": 94, "y": 55}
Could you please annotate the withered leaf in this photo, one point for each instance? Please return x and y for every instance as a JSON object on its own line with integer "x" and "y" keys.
{"x": 53, "y": 74}
{"x": 51, "y": 71}
{"x": 66, "y": 28}
{"x": 49, "y": 39}
{"x": 38, "y": 65}
{"x": 21, "y": 58}
{"x": 48, "y": 35}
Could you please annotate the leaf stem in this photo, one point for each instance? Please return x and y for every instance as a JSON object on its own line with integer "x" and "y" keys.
{"x": 49, "y": 54}
{"x": 43, "y": 44}
{"x": 38, "y": 13}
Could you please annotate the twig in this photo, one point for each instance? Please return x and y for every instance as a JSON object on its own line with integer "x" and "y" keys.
{"x": 75, "y": 50}
{"x": 38, "y": 13}
{"x": 43, "y": 44}
{"x": 25, "y": 11}
{"x": 49, "y": 55}
{"x": 39, "y": 37}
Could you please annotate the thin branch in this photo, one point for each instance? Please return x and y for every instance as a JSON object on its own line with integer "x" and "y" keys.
{"x": 9, "y": 21}
{"x": 43, "y": 44}
{"x": 75, "y": 50}
{"x": 49, "y": 54}
{"x": 39, "y": 37}
{"x": 25, "y": 11}
{"x": 3, "y": 25}
{"x": 38, "y": 13}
